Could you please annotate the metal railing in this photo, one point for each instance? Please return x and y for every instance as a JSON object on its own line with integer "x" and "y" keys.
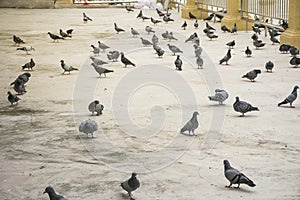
{"x": 212, "y": 6}
{"x": 112, "y": 2}
{"x": 271, "y": 12}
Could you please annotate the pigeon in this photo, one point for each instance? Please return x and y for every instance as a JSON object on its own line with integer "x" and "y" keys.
{"x": 86, "y": 18}
{"x": 234, "y": 176}
{"x": 160, "y": 13}
{"x": 66, "y": 67}
{"x": 145, "y": 42}
{"x": 29, "y": 65}
{"x": 171, "y": 37}
{"x": 149, "y": 29}
{"x": 209, "y": 17}
{"x": 154, "y": 39}
{"x": 199, "y": 62}
{"x": 102, "y": 46}
{"x": 131, "y": 185}
{"x": 178, "y": 63}
{"x": 252, "y": 74}
{"x": 191, "y": 125}
{"x": 211, "y": 35}
{"x": 126, "y": 61}
{"x": 295, "y": 61}
{"x": 101, "y": 70}
{"x": 19, "y": 86}
{"x": 160, "y": 52}
{"x": 269, "y": 66}
{"x": 22, "y": 79}
{"x": 196, "y": 25}
{"x": 96, "y": 50}
{"x": 258, "y": 43}
{"x": 256, "y": 30}
{"x": 165, "y": 35}
{"x": 198, "y": 50}
{"x": 231, "y": 44}
{"x": 98, "y": 61}
{"x": 226, "y": 58}
{"x": 208, "y": 31}
{"x": 52, "y": 195}
{"x": 167, "y": 19}
{"x": 55, "y": 37}
{"x": 225, "y": 29}
{"x": 118, "y": 29}
{"x": 113, "y": 55}
{"x": 69, "y": 31}
{"x": 184, "y": 25}
{"x": 145, "y": 18}
{"x": 274, "y": 32}
{"x": 196, "y": 41}
{"x": 284, "y": 24}
{"x": 26, "y": 49}
{"x": 220, "y": 96}
{"x": 134, "y": 33}
{"x": 12, "y": 98}
{"x": 291, "y": 98}
{"x": 95, "y": 106}
{"x": 284, "y": 48}
{"x": 155, "y": 21}
{"x": 129, "y": 9}
{"x": 63, "y": 34}
{"x": 220, "y": 17}
{"x": 274, "y": 40}
{"x": 174, "y": 49}
{"x": 191, "y": 16}
{"x": 209, "y": 27}
{"x": 243, "y": 107}
{"x": 254, "y": 37}
{"x": 140, "y": 14}
{"x": 192, "y": 37}
{"x": 88, "y": 126}
{"x": 294, "y": 51}
{"x": 248, "y": 52}
{"x": 17, "y": 40}
{"x": 234, "y": 28}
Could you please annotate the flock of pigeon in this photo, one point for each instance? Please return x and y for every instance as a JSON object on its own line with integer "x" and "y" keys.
{"x": 90, "y": 126}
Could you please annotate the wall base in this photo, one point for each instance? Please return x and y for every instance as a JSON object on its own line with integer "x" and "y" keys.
{"x": 291, "y": 37}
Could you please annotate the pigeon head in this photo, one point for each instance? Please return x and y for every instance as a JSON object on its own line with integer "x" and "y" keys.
{"x": 27, "y": 74}
{"x": 226, "y": 164}
{"x": 296, "y": 87}
{"x": 195, "y": 113}
{"x": 49, "y": 190}
{"x": 62, "y": 61}
{"x": 258, "y": 71}
{"x": 133, "y": 174}
{"x": 178, "y": 56}
{"x": 237, "y": 98}
{"x": 9, "y": 93}
{"x": 122, "y": 54}
{"x": 96, "y": 102}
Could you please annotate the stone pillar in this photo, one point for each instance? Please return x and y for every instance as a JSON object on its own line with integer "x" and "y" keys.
{"x": 64, "y": 4}
{"x": 191, "y": 6}
{"x": 234, "y": 16}
{"x": 292, "y": 34}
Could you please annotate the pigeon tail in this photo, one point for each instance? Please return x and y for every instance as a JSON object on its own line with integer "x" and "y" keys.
{"x": 283, "y": 102}
{"x": 254, "y": 109}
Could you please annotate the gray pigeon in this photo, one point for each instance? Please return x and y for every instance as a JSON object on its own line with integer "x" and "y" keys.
{"x": 95, "y": 106}
{"x": 26, "y": 49}
{"x": 131, "y": 185}
{"x": 231, "y": 44}
{"x": 295, "y": 61}
{"x": 198, "y": 50}
{"x": 234, "y": 176}
{"x": 126, "y": 61}
{"x": 174, "y": 49}
{"x": 146, "y": 42}
{"x": 19, "y": 86}
{"x": 159, "y": 51}
{"x": 154, "y": 39}
{"x": 274, "y": 40}
{"x": 102, "y": 46}
{"x": 29, "y": 65}
{"x": 23, "y": 78}
{"x": 18, "y": 40}
{"x": 248, "y": 51}
{"x": 252, "y": 74}
{"x": 184, "y": 25}
{"x": 149, "y": 29}
{"x": 284, "y": 48}
{"x": 196, "y": 25}
{"x": 269, "y": 66}
{"x": 96, "y": 50}
{"x": 209, "y": 27}
{"x": 55, "y": 37}
{"x": 258, "y": 43}
{"x": 165, "y": 35}
{"x": 101, "y": 70}
{"x": 86, "y": 18}
{"x": 291, "y": 98}
{"x": 170, "y": 36}
{"x": 211, "y": 35}
{"x": 134, "y": 33}
{"x": 12, "y": 98}
{"x": 66, "y": 67}
{"x": 118, "y": 29}
{"x": 220, "y": 96}
{"x": 52, "y": 195}
{"x": 63, "y": 34}
{"x": 113, "y": 55}
{"x": 226, "y": 58}
{"x": 178, "y": 63}
{"x": 243, "y": 107}
{"x": 199, "y": 62}
{"x": 191, "y": 125}
{"x": 192, "y": 37}
{"x": 88, "y": 126}
{"x": 98, "y": 61}
{"x": 234, "y": 28}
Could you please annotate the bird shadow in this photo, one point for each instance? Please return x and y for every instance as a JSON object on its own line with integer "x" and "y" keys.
{"x": 245, "y": 116}
{"x": 124, "y": 196}
{"x": 187, "y": 134}
{"x": 287, "y": 107}
{"x": 238, "y": 189}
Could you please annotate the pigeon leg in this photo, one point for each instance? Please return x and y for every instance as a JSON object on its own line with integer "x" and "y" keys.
{"x": 242, "y": 115}
{"x": 237, "y": 186}
{"x": 228, "y": 186}
{"x": 292, "y": 106}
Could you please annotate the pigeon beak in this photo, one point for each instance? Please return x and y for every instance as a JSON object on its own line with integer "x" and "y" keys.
{"x": 44, "y": 192}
